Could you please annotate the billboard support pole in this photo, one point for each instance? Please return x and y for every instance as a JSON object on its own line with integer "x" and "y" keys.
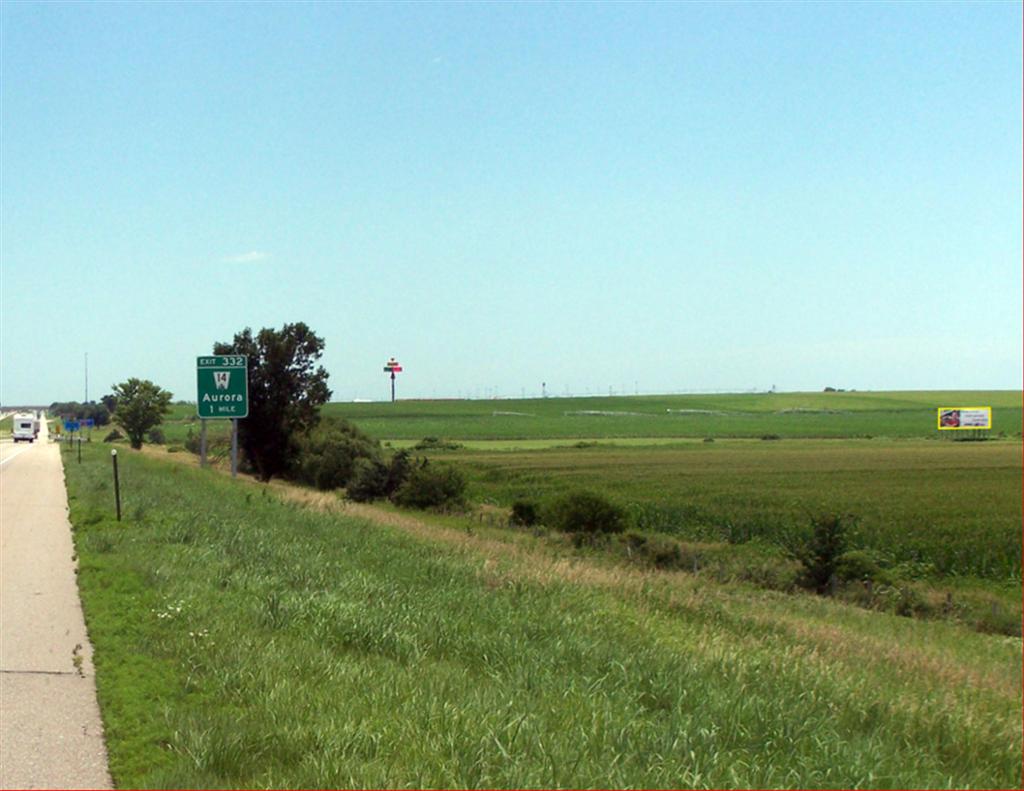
{"x": 202, "y": 442}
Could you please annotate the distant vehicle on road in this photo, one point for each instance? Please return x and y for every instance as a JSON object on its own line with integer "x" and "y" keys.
{"x": 26, "y": 428}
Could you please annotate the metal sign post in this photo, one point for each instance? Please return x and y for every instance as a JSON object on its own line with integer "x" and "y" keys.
{"x": 392, "y": 367}
{"x": 234, "y": 448}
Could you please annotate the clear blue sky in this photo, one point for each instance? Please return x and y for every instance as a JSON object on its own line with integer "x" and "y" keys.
{"x": 639, "y": 196}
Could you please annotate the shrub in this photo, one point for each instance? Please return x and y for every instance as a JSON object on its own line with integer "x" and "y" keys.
{"x": 334, "y": 467}
{"x": 368, "y": 482}
{"x": 325, "y": 457}
{"x": 524, "y": 513}
{"x": 437, "y": 486}
{"x": 659, "y": 551}
{"x": 113, "y": 436}
{"x": 585, "y": 512}
{"x": 372, "y": 479}
{"x": 156, "y": 437}
{"x": 433, "y": 443}
{"x": 819, "y": 550}
{"x": 861, "y": 565}
{"x": 398, "y": 472}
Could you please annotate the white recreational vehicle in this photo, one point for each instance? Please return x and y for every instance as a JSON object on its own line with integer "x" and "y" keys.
{"x": 25, "y": 428}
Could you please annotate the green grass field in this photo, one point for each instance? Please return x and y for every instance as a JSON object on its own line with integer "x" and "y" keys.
{"x": 790, "y": 415}
{"x": 243, "y": 641}
{"x": 946, "y": 508}
{"x": 953, "y": 506}
{"x": 652, "y": 419}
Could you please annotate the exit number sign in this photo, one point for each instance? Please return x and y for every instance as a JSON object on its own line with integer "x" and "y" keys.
{"x": 222, "y": 386}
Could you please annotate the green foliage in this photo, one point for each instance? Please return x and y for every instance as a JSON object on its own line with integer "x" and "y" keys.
{"x": 525, "y": 513}
{"x": 99, "y": 413}
{"x": 819, "y": 550}
{"x": 141, "y": 406}
{"x": 368, "y": 482}
{"x": 218, "y": 608}
{"x": 286, "y": 391}
{"x": 399, "y": 470}
{"x": 435, "y": 486}
{"x": 750, "y": 415}
{"x": 862, "y": 565}
{"x": 326, "y": 455}
{"x": 584, "y": 512}
{"x": 739, "y": 491}
{"x": 659, "y": 551}
{"x": 434, "y": 443}
{"x": 373, "y": 479}
{"x": 113, "y": 436}
{"x": 156, "y": 437}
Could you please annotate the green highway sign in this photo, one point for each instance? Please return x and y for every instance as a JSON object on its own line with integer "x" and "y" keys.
{"x": 222, "y": 386}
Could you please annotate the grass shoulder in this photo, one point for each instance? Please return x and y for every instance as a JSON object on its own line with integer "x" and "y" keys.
{"x": 280, "y": 643}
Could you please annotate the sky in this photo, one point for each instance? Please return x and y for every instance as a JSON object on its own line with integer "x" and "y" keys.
{"x": 599, "y": 197}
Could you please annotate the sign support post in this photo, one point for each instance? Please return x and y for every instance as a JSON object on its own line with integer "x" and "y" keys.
{"x": 234, "y": 447}
{"x": 202, "y": 442}
{"x": 392, "y": 367}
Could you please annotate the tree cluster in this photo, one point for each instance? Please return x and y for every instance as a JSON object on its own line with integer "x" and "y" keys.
{"x": 286, "y": 391}
{"x": 74, "y": 410}
{"x": 141, "y": 406}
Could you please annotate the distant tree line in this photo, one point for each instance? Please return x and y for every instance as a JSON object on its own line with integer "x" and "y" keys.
{"x": 74, "y": 410}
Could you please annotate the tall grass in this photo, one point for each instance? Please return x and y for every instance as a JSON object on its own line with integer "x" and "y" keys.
{"x": 955, "y": 507}
{"x": 245, "y": 642}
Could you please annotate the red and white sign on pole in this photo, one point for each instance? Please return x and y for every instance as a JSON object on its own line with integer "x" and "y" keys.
{"x": 392, "y": 367}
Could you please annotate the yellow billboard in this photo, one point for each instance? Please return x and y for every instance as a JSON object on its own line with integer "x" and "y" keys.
{"x": 962, "y": 418}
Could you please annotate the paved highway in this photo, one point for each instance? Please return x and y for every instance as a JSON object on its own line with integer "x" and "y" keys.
{"x": 51, "y": 735}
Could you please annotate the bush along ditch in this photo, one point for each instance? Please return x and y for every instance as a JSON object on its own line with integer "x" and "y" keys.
{"x": 337, "y": 455}
{"x": 823, "y": 556}
{"x": 820, "y": 557}
{"x": 410, "y": 483}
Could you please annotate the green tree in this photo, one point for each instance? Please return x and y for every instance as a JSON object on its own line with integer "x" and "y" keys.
{"x": 141, "y": 406}
{"x": 286, "y": 391}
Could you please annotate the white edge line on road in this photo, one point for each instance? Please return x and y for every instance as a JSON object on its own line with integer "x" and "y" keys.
{"x": 15, "y": 455}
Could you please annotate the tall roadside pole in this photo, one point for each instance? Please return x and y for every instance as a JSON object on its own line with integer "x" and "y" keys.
{"x": 222, "y": 393}
{"x": 392, "y": 367}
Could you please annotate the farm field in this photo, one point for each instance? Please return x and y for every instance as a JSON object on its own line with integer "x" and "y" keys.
{"x": 939, "y": 508}
{"x": 955, "y": 507}
{"x": 790, "y": 415}
{"x": 243, "y": 639}
{"x": 652, "y": 419}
